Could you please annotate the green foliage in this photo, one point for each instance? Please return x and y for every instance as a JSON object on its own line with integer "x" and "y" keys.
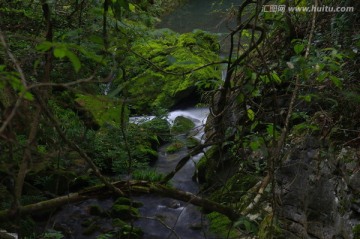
{"x": 147, "y": 175}
{"x": 173, "y": 54}
{"x": 246, "y": 225}
{"x": 221, "y": 225}
{"x": 52, "y": 234}
{"x": 104, "y": 109}
{"x": 269, "y": 227}
{"x": 356, "y": 231}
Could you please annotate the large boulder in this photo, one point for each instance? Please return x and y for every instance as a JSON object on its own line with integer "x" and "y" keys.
{"x": 314, "y": 198}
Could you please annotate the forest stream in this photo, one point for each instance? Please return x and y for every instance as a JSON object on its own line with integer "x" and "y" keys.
{"x": 178, "y": 219}
{"x": 182, "y": 220}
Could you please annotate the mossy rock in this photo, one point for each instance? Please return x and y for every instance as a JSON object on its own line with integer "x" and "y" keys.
{"x": 117, "y": 222}
{"x": 192, "y": 142}
{"x": 92, "y": 228}
{"x": 124, "y": 212}
{"x": 95, "y": 210}
{"x": 159, "y": 127}
{"x": 128, "y": 202}
{"x": 126, "y": 229}
{"x": 182, "y": 125}
{"x": 174, "y": 147}
{"x": 132, "y": 232}
{"x": 356, "y": 231}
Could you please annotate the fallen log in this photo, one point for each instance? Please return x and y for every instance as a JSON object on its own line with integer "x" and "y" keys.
{"x": 132, "y": 186}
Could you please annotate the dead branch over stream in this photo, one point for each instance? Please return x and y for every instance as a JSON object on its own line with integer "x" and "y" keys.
{"x": 137, "y": 187}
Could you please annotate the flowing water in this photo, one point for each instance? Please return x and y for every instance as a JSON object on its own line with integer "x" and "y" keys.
{"x": 182, "y": 220}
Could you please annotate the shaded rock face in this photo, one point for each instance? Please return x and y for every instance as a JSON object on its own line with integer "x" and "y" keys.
{"x": 314, "y": 196}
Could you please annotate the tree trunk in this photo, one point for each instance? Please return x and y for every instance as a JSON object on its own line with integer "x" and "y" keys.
{"x": 127, "y": 187}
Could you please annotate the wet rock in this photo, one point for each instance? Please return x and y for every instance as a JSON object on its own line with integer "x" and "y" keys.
{"x": 174, "y": 204}
{"x": 196, "y": 226}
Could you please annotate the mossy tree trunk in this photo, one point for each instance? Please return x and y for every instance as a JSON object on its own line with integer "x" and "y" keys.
{"x": 128, "y": 187}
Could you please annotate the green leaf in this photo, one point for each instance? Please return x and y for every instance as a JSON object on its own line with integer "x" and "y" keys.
{"x": 60, "y": 52}
{"x": 275, "y": 77}
{"x": 131, "y": 7}
{"x": 28, "y": 96}
{"x": 250, "y": 114}
{"x": 337, "y": 82}
{"x": 321, "y": 77}
{"x": 298, "y": 48}
{"x": 44, "y": 46}
{"x": 74, "y": 60}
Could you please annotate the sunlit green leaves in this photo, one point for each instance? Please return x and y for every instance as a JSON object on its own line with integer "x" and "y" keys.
{"x": 275, "y": 77}
{"x": 250, "y": 114}
{"x": 13, "y": 79}
{"x": 71, "y": 51}
{"x": 298, "y": 48}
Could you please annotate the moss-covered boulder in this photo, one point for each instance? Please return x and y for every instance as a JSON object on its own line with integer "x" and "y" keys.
{"x": 117, "y": 222}
{"x": 124, "y": 212}
{"x": 182, "y": 125}
{"x": 128, "y": 202}
{"x": 132, "y": 232}
{"x": 191, "y": 142}
{"x": 159, "y": 127}
{"x": 173, "y": 53}
{"x": 174, "y": 147}
{"x": 127, "y": 230}
{"x": 95, "y": 210}
{"x": 92, "y": 228}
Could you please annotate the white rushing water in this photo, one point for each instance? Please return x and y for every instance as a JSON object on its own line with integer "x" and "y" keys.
{"x": 178, "y": 215}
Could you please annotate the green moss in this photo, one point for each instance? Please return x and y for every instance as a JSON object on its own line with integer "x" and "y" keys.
{"x": 104, "y": 109}
{"x": 117, "y": 222}
{"x": 132, "y": 232}
{"x": 182, "y": 125}
{"x": 173, "y": 53}
{"x": 91, "y": 229}
{"x": 159, "y": 127}
{"x": 222, "y": 226}
{"x": 356, "y": 231}
{"x": 192, "y": 142}
{"x": 127, "y": 230}
{"x": 206, "y": 165}
{"x": 147, "y": 175}
{"x": 128, "y": 202}
{"x": 124, "y": 212}
{"x": 269, "y": 225}
{"x": 174, "y": 147}
{"x": 236, "y": 189}
{"x": 95, "y": 210}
